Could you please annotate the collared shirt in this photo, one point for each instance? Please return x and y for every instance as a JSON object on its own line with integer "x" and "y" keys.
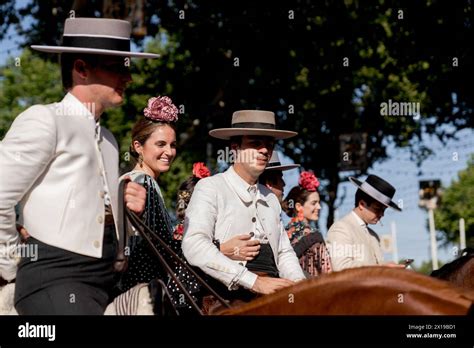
{"x": 222, "y": 207}
{"x": 359, "y": 220}
{"x": 259, "y": 232}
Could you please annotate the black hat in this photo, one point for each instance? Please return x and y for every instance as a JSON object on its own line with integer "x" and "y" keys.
{"x": 378, "y": 189}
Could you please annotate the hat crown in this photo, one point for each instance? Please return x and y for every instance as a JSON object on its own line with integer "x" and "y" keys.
{"x": 98, "y": 27}
{"x": 256, "y": 116}
{"x": 275, "y": 158}
{"x": 381, "y": 185}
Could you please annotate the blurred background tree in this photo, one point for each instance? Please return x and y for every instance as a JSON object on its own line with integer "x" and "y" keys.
{"x": 457, "y": 202}
{"x": 323, "y": 67}
{"x": 426, "y": 267}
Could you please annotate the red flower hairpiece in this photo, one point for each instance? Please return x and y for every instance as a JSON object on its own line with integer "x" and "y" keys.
{"x": 200, "y": 170}
{"x": 308, "y": 181}
{"x": 161, "y": 109}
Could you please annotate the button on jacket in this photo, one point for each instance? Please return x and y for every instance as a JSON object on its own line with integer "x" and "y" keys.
{"x": 221, "y": 207}
{"x": 52, "y": 163}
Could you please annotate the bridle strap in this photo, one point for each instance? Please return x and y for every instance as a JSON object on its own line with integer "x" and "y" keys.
{"x": 146, "y": 233}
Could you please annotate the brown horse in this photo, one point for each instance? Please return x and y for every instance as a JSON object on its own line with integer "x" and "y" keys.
{"x": 364, "y": 291}
{"x": 459, "y": 272}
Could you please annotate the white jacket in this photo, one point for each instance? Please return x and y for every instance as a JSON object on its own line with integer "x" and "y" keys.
{"x": 221, "y": 208}
{"x": 51, "y": 163}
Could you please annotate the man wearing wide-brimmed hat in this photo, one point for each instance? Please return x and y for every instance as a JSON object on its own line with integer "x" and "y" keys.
{"x": 272, "y": 177}
{"x": 233, "y": 203}
{"x": 61, "y": 166}
{"x": 351, "y": 242}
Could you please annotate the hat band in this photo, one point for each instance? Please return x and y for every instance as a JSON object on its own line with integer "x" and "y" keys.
{"x": 375, "y": 193}
{"x": 259, "y": 125}
{"x": 104, "y": 43}
{"x": 273, "y": 164}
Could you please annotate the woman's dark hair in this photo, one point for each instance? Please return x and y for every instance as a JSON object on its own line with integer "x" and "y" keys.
{"x": 296, "y": 195}
{"x": 362, "y": 196}
{"x": 142, "y": 130}
{"x": 67, "y": 63}
{"x": 185, "y": 192}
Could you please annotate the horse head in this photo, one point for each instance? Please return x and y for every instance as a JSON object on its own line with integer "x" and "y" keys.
{"x": 460, "y": 271}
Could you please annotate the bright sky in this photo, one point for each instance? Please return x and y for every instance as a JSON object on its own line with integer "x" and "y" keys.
{"x": 413, "y": 239}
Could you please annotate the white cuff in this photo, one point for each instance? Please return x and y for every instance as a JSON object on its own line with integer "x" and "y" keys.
{"x": 247, "y": 279}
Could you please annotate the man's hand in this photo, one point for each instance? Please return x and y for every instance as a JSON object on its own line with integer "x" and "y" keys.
{"x": 24, "y": 235}
{"x": 267, "y": 285}
{"x": 241, "y": 248}
{"x": 134, "y": 196}
{"x": 393, "y": 265}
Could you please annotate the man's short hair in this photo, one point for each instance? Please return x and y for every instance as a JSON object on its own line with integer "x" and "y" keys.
{"x": 362, "y": 196}
{"x": 236, "y": 139}
{"x": 67, "y": 63}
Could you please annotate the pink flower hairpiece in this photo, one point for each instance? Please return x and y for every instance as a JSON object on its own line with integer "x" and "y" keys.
{"x": 200, "y": 170}
{"x": 161, "y": 109}
{"x": 308, "y": 181}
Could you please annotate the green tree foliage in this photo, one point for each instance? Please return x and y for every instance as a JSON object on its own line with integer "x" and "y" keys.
{"x": 457, "y": 202}
{"x": 26, "y": 80}
{"x": 426, "y": 267}
{"x": 323, "y": 67}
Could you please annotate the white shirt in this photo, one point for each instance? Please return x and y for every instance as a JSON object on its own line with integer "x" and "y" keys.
{"x": 359, "y": 220}
{"x": 221, "y": 207}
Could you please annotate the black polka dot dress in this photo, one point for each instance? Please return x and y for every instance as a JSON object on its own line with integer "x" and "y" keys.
{"x": 143, "y": 265}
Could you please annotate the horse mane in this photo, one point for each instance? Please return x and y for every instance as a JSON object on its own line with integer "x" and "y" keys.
{"x": 446, "y": 271}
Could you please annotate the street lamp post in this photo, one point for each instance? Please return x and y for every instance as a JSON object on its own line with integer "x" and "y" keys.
{"x": 429, "y": 194}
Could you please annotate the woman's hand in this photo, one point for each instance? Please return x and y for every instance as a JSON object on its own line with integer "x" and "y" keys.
{"x": 241, "y": 248}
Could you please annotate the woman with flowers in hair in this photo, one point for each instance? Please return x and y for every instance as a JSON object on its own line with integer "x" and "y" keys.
{"x": 302, "y": 205}
{"x": 185, "y": 191}
{"x": 154, "y": 149}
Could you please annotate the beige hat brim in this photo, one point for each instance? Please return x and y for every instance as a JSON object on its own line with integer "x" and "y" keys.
{"x": 64, "y": 49}
{"x": 226, "y": 133}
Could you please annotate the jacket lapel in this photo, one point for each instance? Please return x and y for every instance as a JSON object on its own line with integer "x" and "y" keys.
{"x": 369, "y": 238}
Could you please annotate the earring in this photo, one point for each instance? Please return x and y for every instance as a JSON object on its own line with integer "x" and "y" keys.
{"x": 140, "y": 160}
{"x": 300, "y": 214}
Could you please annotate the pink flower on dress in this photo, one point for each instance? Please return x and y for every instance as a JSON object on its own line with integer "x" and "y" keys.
{"x": 161, "y": 109}
{"x": 308, "y": 181}
{"x": 200, "y": 170}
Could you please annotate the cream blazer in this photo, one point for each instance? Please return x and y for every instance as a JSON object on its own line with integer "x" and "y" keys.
{"x": 53, "y": 166}
{"x": 352, "y": 245}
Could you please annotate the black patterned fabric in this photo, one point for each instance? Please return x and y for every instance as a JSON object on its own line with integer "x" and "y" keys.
{"x": 143, "y": 265}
